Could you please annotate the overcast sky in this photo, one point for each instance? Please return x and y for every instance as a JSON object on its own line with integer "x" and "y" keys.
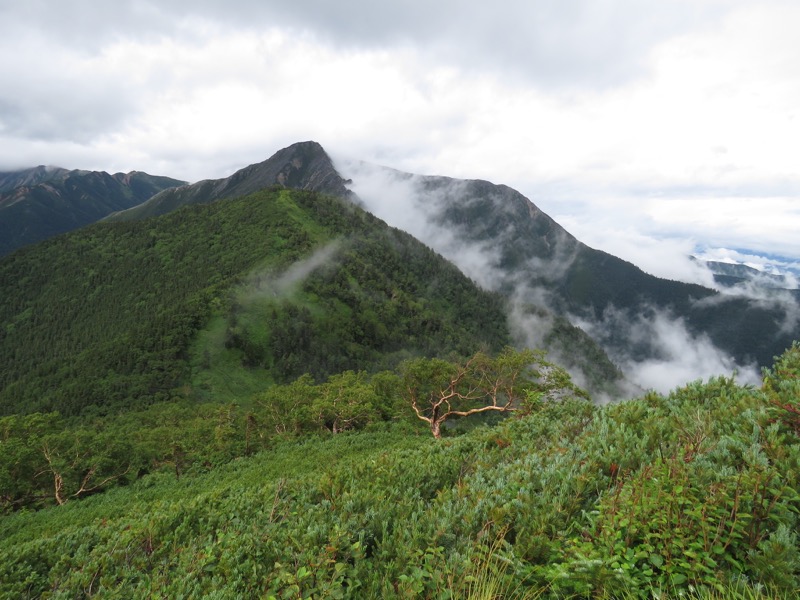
{"x": 646, "y": 127}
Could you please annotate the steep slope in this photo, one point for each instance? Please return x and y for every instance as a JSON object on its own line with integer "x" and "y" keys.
{"x": 38, "y": 203}
{"x": 307, "y": 166}
{"x": 258, "y": 289}
{"x": 503, "y": 241}
{"x": 304, "y": 165}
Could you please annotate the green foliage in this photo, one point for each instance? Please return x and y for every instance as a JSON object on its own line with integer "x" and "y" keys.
{"x": 699, "y": 484}
{"x": 43, "y": 462}
{"x": 345, "y": 401}
{"x": 515, "y": 380}
{"x": 103, "y": 317}
{"x": 691, "y": 495}
{"x": 318, "y": 487}
{"x": 782, "y": 385}
{"x": 118, "y": 316}
{"x": 372, "y": 301}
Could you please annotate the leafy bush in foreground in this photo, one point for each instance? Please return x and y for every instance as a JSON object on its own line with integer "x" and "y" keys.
{"x": 693, "y": 494}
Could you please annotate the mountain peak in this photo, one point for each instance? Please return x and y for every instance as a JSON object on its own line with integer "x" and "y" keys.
{"x": 11, "y": 180}
{"x": 303, "y": 165}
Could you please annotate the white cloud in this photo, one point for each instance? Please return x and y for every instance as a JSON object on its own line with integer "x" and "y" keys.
{"x": 667, "y": 123}
{"x": 668, "y": 258}
{"x": 661, "y": 233}
{"x": 668, "y": 354}
{"x": 683, "y": 358}
{"x": 773, "y": 265}
{"x": 402, "y": 201}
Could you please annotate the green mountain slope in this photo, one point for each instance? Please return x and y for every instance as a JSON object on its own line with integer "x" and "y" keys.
{"x": 307, "y": 166}
{"x": 38, "y": 203}
{"x": 280, "y": 283}
{"x": 693, "y": 495}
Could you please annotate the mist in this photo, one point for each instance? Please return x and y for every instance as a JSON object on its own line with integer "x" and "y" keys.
{"x": 266, "y": 283}
{"x": 664, "y": 354}
{"x": 660, "y": 353}
{"x": 403, "y": 202}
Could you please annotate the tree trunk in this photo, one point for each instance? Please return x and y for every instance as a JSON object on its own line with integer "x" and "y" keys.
{"x": 58, "y": 484}
{"x": 436, "y": 429}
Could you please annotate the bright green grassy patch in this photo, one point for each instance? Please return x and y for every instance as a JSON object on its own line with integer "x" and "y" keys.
{"x": 218, "y": 373}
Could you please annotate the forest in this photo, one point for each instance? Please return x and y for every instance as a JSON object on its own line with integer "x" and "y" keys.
{"x": 107, "y": 318}
{"x": 279, "y": 396}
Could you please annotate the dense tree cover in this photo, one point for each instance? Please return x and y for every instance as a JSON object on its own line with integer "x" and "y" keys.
{"x": 697, "y": 490}
{"x": 104, "y": 318}
{"x": 48, "y": 460}
{"x": 377, "y": 298}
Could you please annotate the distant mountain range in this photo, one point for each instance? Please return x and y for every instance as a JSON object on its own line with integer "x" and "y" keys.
{"x": 560, "y": 293}
{"x": 41, "y": 202}
{"x": 736, "y": 274}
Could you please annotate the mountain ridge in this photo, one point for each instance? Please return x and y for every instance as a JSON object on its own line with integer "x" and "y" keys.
{"x": 503, "y": 241}
{"x": 303, "y": 165}
{"x": 10, "y": 180}
{"x": 500, "y": 238}
{"x": 38, "y": 203}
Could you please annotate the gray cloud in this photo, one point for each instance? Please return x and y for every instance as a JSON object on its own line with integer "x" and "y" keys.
{"x": 573, "y": 102}
{"x": 572, "y": 42}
